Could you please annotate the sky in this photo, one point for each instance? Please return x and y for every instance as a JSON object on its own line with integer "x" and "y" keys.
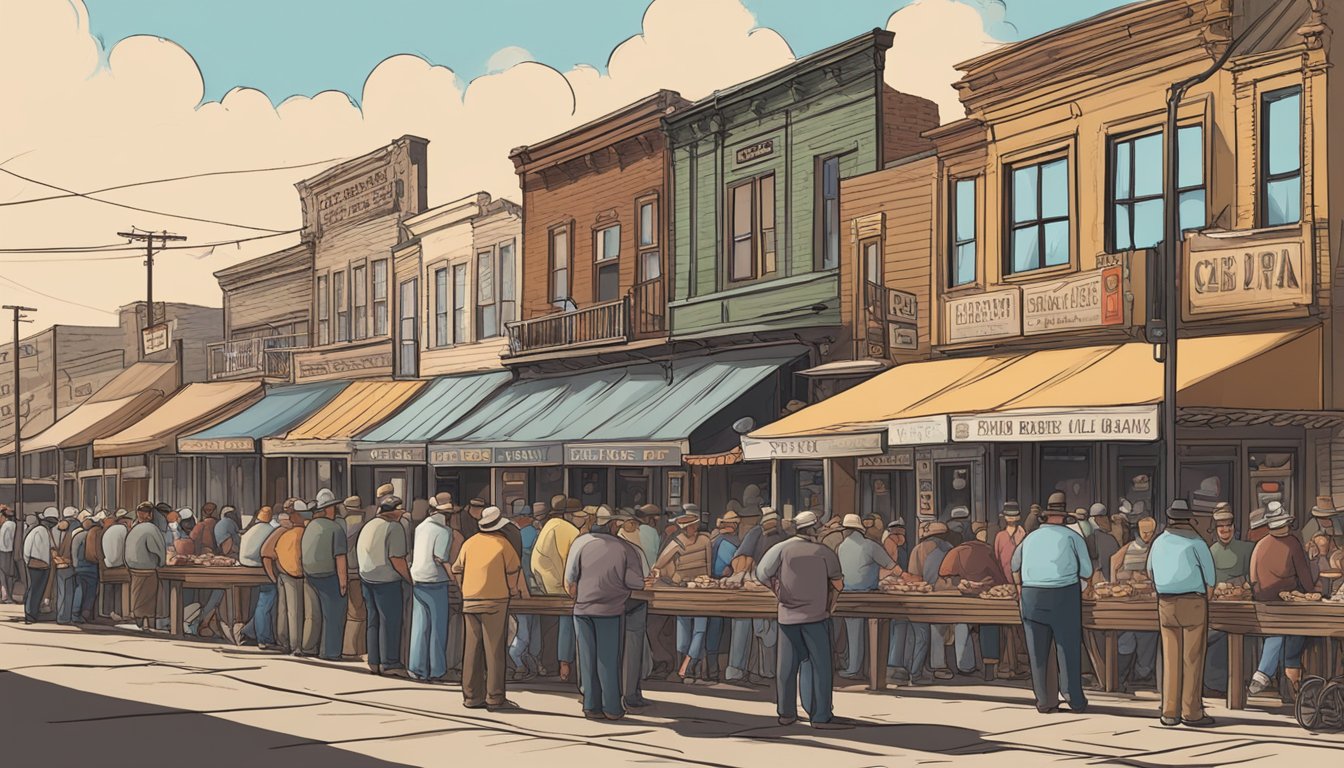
{"x": 105, "y": 93}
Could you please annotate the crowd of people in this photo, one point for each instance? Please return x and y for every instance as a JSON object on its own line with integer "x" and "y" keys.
{"x": 426, "y": 595}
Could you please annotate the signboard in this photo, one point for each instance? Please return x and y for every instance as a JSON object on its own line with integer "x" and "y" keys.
{"x": 898, "y": 458}
{"x": 755, "y": 151}
{"x": 537, "y": 455}
{"x": 902, "y": 336}
{"x": 984, "y": 316}
{"x": 338, "y": 363}
{"x": 1258, "y": 277}
{"x": 370, "y": 194}
{"x": 1137, "y": 423}
{"x": 217, "y": 445}
{"x": 156, "y": 338}
{"x": 452, "y": 456}
{"x": 390, "y": 454}
{"x": 922, "y": 430}
{"x": 1089, "y": 300}
{"x": 624, "y": 454}
{"x": 902, "y": 306}
{"x": 821, "y": 447}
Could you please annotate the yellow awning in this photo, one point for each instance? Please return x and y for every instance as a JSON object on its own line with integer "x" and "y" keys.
{"x": 358, "y": 408}
{"x": 195, "y": 407}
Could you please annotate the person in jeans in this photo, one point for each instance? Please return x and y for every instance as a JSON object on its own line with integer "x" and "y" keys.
{"x": 325, "y": 579}
{"x": 9, "y": 569}
{"x": 490, "y": 572}
{"x": 863, "y": 563}
{"x": 282, "y": 557}
{"x": 550, "y": 552}
{"x": 429, "y": 611}
{"x": 382, "y": 571}
{"x": 1049, "y": 565}
{"x": 602, "y": 571}
{"x": 86, "y": 569}
{"x": 1279, "y": 564}
{"x": 261, "y": 627}
{"x": 1182, "y": 570}
{"x": 806, "y": 577}
{"x": 685, "y": 558}
{"x": 38, "y": 551}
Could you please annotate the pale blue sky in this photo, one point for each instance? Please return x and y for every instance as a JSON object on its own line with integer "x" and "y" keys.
{"x": 288, "y": 47}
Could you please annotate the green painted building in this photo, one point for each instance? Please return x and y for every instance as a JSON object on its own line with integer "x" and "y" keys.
{"x": 758, "y": 233}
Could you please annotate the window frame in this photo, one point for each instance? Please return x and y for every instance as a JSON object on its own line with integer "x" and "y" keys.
{"x": 1263, "y": 140}
{"x": 509, "y": 270}
{"x": 321, "y": 290}
{"x": 460, "y": 317}
{"x": 954, "y": 244}
{"x": 1113, "y": 142}
{"x": 485, "y": 257}
{"x": 340, "y": 301}
{"x": 359, "y": 313}
{"x": 602, "y": 262}
{"x": 654, "y": 246}
{"x": 756, "y": 235}
{"x": 382, "y": 312}
{"x": 565, "y": 231}
{"x": 821, "y": 236}
{"x": 443, "y": 305}
{"x": 1010, "y": 226}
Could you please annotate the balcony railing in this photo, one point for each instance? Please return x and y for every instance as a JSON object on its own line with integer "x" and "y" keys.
{"x": 641, "y": 313}
{"x": 267, "y": 357}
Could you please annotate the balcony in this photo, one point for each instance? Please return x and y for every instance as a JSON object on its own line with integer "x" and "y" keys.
{"x": 640, "y": 314}
{"x": 265, "y": 357}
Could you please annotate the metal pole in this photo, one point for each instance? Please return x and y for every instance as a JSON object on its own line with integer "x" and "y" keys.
{"x": 149, "y": 237}
{"x": 1171, "y": 246}
{"x": 18, "y": 447}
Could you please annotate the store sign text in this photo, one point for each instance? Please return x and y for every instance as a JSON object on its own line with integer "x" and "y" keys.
{"x": 923, "y": 430}
{"x": 217, "y": 445}
{"x": 1138, "y": 423}
{"x": 755, "y": 151}
{"x": 895, "y": 459}
{"x": 828, "y": 446}
{"x": 372, "y": 193}
{"x": 1090, "y": 300}
{"x": 391, "y": 455}
{"x": 633, "y": 454}
{"x": 1265, "y": 277}
{"x": 983, "y": 316}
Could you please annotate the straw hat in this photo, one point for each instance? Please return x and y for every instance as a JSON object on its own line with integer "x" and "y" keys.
{"x": 442, "y": 502}
{"x": 852, "y": 522}
{"x": 492, "y": 520}
{"x": 648, "y": 510}
{"x": 1325, "y": 507}
{"x": 730, "y": 517}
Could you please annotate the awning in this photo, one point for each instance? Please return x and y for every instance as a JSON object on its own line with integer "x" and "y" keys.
{"x": 446, "y": 400}
{"x": 275, "y": 414}
{"x": 1101, "y": 393}
{"x": 193, "y": 407}
{"x": 133, "y": 393}
{"x": 721, "y": 459}
{"x": 359, "y": 407}
{"x": 638, "y": 415}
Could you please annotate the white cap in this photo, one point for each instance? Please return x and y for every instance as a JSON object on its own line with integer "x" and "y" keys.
{"x": 804, "y": 519}
{"x": 68, "y": 512}
{"x": 101, "y": 516}
{"x": 50, "y": 513}
{"x": 185, "y": 513}
{"x": 85, "y": 515}
{"x": 300, "y": 505}
{"x": 1276, "y": 516}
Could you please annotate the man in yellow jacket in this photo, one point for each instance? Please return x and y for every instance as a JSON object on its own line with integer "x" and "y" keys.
{"x": 549, "y": 555}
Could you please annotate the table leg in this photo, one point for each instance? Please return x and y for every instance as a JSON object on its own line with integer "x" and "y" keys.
{"x": 124, "y": 589}
{"x": 879, "y": 638}
{"x": 175, "y": 611}
{"x": 1236, "y": 671}
{"x": 1111, "y": 683}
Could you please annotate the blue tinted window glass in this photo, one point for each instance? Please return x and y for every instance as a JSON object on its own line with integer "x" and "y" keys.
{"x": 1147, "y": 223}
{"x": 1148, "y": 165}
{"x": 965, "y": 272}
{"x": 1056, "y": 243}
{"x": 1192, "y": 210}
{"x": 1055, "y": 189}
{"x": 965, "y": 229}
{"x": 1283, "y": 201}
{"x": 1024, "y": 193}
{"x": 1190, "y": 156}
{"x": 1284, "y": 125}
{"x": 1122, "y": 238}
{"x": 1026, "y": 248}
{"x": 1123, "y": 158}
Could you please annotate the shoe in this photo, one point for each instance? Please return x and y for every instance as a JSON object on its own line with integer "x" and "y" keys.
{"x": 1203, "y": 722}
{"x": 788, "y": 720}
{"x": 1047, "y": 710}
{"x": 831, "y": 725}
{"x": 942, "y": 674}
{"x": 481, "y": 705}
{"x": 566, "y": 672}
{"x": 1078, "y": 709}
{"x": 856, "y": 676}
{"x": 756, "y": 679}
{"x": 610, "y": 716}
{"x": 229, "y": 634}
{"x": 1210, "y": 693}
{"x": 399, "y": 672}
{"x": 1259, "y": 682}
{"x": 636, "y": 703}
{"x": 502, "y": 706}
{"x": 1170, "y": 722}
{"x": 374, "y": 669}
{"x": 114, "y": 616}
{"x": 594, "y": 715}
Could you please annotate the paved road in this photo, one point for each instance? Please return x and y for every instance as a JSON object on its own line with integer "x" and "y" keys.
{"x": 102, "y": 697}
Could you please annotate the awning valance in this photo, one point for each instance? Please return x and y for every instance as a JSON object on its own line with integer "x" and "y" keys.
{"x": 331, "y": 429}
{"x": 194, "y": 406}
{"x": 275, "y": 414}
{"x": 402, "y": 438}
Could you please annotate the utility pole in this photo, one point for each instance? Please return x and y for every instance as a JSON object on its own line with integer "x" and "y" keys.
{"x": 19, "y": 317}
{"x": 148, "y": 238}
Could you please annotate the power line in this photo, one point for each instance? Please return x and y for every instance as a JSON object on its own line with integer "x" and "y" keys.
{"x": 118, "y": 247}
{"x": 166, "y": 181}
{"x": 17, "y": 284}
{"x": 136, "y": 208}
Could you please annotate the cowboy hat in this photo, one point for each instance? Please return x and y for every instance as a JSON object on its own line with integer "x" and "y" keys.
{"x": 559, "y": 502}
{"x": 1056, "y": 503}
{"x": 492, "y": 520}
{"x": 390, "y": 503}
{"x": 935, "y": 528}
{"x": 804, "y": 520}
{"x": 573, "y": 505}
{"x": 853, "y": 522}
{"x": 1222, "y": 512}
{"x": 353, "y": 503}
{"x": 386, "y": 489}
{"x": 730, "y": 517}
{"x": 442, "y": 502}
{"x": 1276, "y": 516}
{"x": 1325, "y": 507}
{"x": 1179, "y": 511}
{"x": 685, "y": 519}
{"x": 606, "y": 514}
{"x": 325, "y": 498}
{"x": 648, "y": 510}
{"x": 122, "y": 514}
{"x": 894, "y": 524}
{"x": 768, "y": 513}
{"x": 85, "y": 515}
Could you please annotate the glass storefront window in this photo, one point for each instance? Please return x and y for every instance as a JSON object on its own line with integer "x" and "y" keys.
{"x": 749, "y": 486}
{"x": 1205, "y": 483}
{"x": 463, "y": 484}
{"x": 547, "y": 482}
{"x": 809, "y": 489}
{"x": 1067, "y": 469}
{"x": 632, "y": 487}
{"x": 588, "y": 485}
{"x": 1271, "y": 476}
{"x": 1137, "y": 487}
{"x": 513, "y": 490}
{"x": 92, "y": 492}
{"x": 877, "y": 495}
{"x": 954, "y": 488}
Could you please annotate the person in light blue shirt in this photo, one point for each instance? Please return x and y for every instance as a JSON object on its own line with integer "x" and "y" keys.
{"x": 1049, "y": 565}
{"x": 1181, "y": 566}
{"x": 862, "y": 561}
{"x": 525, "y": 649}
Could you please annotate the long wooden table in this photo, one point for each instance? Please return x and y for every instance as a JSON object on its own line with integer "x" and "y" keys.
{"x": 120, "y": 576}
{"x": 232, "y": 579}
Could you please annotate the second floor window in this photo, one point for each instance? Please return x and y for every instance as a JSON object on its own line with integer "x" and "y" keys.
{"x": 460, "y": 304}
{"x": 650, "y": 261}
{"x": 752, "y": 252}
{"x": 829, "y": 212}
{"x": 441, "y": 336}
{"x": 360, "y": 290}
{"x": 560, "y": 268}
{"x": 487, "y": 318}
{"x": 380, "y": 297}
{"x": 508, "y": 291}
{"x": 607, "y": 264}
{"x": 962, "y": 269}
{"x": 1038, "y": 209}
{"x": 340, "y": 298}
{"x": 1281, "y": 157}
{"x": 1136, "y": 187}
{"x": 323, "y": 312}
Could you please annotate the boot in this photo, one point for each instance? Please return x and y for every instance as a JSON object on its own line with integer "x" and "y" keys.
{"x": 1294, "y": 679}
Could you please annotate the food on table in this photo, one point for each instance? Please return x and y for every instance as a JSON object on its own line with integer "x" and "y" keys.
{"x": 1338, "y": 597}
{"x": 214, "y": 560}
{"x": 1124, "y": 590}
{"x": 900, "y": 586}
{"x": 1000, "y": 592}
{"x": 1224, "y": 590}
{"x": 968, "y": 587}
{"x": 1300, "y": 597}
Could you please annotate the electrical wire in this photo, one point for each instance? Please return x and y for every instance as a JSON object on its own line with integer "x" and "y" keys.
{"x": 134, "y": 252}
{"x": 21, "y": 286}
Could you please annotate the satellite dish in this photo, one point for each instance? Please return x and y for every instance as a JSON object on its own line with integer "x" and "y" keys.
{"x": 744, "y": 425}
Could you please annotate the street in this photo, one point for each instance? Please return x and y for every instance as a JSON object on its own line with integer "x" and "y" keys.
{"x": 103, "y": 696}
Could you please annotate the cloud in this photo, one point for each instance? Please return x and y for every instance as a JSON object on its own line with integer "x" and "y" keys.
{"x": 81, "y": 126}
{"x": 932, "y": 36}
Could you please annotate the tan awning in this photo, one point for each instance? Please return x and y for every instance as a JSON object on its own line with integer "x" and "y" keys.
{"x": 195, "y": 407}
{"x": 133, "y": 393}
{"x": 331, "y": 430}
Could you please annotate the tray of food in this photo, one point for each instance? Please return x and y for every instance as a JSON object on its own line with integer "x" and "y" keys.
{"x": 973, "y": 588}
{"x": 210, "y": 560}
{"x": 900, "y": 586}
{"x": 1228, "y": 591}
{"x": 1000, "y": 592}
{"x": 1124, "y": 590}
{"x": 1300, "y": 597}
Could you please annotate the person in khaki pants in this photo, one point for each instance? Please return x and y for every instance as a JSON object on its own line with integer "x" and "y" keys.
{"x": 489, "y": 571}
{"x": 1181, "y": 566}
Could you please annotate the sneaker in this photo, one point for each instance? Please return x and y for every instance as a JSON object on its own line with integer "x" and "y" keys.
{"x": 788, "y": 720}
{"x": 610, "y": 716}
{"x": 1170, "y": 722}
{"x": 480, "y": 705}
{"x": 636, "y": 703}
{"x": 399, "y": 672}
{"x": 1203, "y": 722}
{"x": 942, "y": 674}
{"x": 593, "y": 715}
{"x": 1259, "y": 682}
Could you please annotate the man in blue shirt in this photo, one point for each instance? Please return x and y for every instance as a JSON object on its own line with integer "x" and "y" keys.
{"x": 863, "y": 562}
{"x": 526, "y": 646}
{"x": 1049, "y": 565}
{"x": 1181, "y": 566}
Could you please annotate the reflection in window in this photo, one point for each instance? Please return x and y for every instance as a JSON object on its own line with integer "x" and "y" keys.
{"x": 1206, "y": 483}
{"x": 1067, "y": 469}
{"x": 607, "y": 263}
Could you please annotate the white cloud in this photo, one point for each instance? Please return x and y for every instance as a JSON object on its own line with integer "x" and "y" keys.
{"x": 932, "y": 36}
{"x": 83, "y": 127}
{"x": 506, "y": 57}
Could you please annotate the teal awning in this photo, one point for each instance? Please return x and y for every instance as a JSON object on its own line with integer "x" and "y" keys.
{"x": 402, "y": 438}
{"x": 280, "y": 410}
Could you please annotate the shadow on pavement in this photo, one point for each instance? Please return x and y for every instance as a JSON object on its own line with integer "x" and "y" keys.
{"x": 48, "y": 724}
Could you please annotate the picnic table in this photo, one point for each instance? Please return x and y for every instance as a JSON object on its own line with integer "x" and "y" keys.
{"x": 232, "y": 579}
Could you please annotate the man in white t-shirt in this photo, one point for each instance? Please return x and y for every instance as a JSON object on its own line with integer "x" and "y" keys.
{"x": 38, "y": 551}
{"x": 430, "y": 608}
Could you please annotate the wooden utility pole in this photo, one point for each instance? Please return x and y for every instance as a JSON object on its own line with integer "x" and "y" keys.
{"x": 148, "y": 238}
{"x": 22, "y": 562}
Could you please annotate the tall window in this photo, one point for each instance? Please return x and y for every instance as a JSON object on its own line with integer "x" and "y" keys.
{"x": 650, "y": 262}
{"x": 341, "y": 299}
{"x": 963, "y": 267}
{"x": 323, "y": 312}
{"x": 487, "y": 318}
{"x": 460, "y": 303}
{"x": 508, "y": 291}
{"x": 1137, "y": 219}
{"x": 752, "y": 253}
{"x": 380, "y": 297}
{"x": 1038, "y": 207}
{"x": 1281, "y": 157}
{"x": 872, "y": 261}
{"x": 408, "y": 362}
{"x": 560, "y": 268}
{"x": 607, "y": 264}
{"x": 441, "y": 336}
{"x": 829, "y": 212}
{"x": 359, "y": 288}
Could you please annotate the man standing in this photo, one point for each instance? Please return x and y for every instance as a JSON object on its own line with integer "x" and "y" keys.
{"x": 325, "y": 580}
{"x": 863, "y": 562}
{"x": 685, "y": 558}
{"x": 649, "y": 539}
{"x": 356, "y": 613}
{"x": 1323, "y": 521}
{"x": 1231, "y": 565}
{"x": 722, "y": 549}
{"x": 1138, "y": 650}
{"x": 65, "y": 574}
{"x": 764, "y": 632}
{"x": 602, "y": 572}
{"x": 1007, "y": 540}
{"x": 974, "y": 561}
{"x": 1101, "y": 542}
{"x": 85, "y": 569}
{"x": 1182, "y": 569}
{"x": 261, "y": 627}
{"x": 38, "y": 552}
{"x": 1279, "y": 564}
{"x": 930, "y": 641}
{"x": 429, "y": 613}
{"x": 490, "y": 572}
{"x": 145, "y": 554}
{"x": 548, "y": 569}
{"x": 382, "y": 571}
{"x": 9, "y": 567}
{"x": 113, "y": 546}
{"x": 282, "y": 557}
{"x": 806, "y": 577}
{"x": 526, "y": 646}
{"x": 1049, "y": 565}
{"x": 898, "y": 655}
